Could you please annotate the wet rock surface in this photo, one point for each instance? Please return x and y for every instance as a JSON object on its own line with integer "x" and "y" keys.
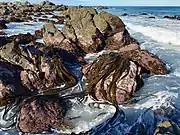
{"x": 41, "y": 114}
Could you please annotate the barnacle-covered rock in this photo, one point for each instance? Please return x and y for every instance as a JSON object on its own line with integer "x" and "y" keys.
{"x": 112, "y": 77}
{"x": 41, "y": 114}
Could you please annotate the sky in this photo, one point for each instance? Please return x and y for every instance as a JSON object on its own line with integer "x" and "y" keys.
{"x": 112, "y": 2}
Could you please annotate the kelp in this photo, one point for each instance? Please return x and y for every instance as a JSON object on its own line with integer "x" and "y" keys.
{"x": 107, "y": 66}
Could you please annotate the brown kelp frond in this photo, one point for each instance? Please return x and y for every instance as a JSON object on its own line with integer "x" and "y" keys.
{"x": 111, "y": 67}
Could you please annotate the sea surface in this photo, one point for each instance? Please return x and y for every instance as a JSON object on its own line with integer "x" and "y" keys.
{"x": 158, "y": 100}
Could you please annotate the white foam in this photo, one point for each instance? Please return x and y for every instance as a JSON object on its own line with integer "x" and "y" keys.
{"x": 158, "y": 34}
{"x": 157, "y": 100}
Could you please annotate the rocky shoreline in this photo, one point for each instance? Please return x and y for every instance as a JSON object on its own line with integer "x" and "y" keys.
{"x": 38, "y": 72}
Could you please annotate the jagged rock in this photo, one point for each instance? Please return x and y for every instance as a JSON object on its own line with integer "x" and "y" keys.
{"x": 41, "y": 114}
{"x": 147, "y": 61}
{"x": 51, "y": 35}
{"x": 101, "y": 24}
{"x": 114, "y": 21}
{"x": 54, "y": 37}
{"x": 88, "y": 36}
{"x": 2, "y": 24}
{"x": 112, "y": 77}
{"x": 16, "y": 54}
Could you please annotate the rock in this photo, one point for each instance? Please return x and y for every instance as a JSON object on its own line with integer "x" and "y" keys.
{"x": 51, "y": 74}
{"x": 125, "y": 14}
{"x": 101, "y": 24}
{"x": 39, "y": 34}
{"x": 41, "y": 114}
{"x": 2, "y": 24}
{"x": 46, "y": 3}
{"x": 152, "y": 64}
{"x": 10, "y": 83}
{"x": 167, "y": 128}
{"x": 54, "y": 37}
{"x": 45, "y": 20}
{"x": 3, "y": 41}
{"x": 18, "y": 55}
{"x": 115, "y": 22}
{"x": 81, "y": 21}
{"x": 176, "y": 17}
{"x": 151, "y": 17}
{"x": 102, "y": 7}
{"x": 51, "y": 35}
{"x": 144, "y": 14}
{"x": 23, "y": 38}
{"x": 14, "y": 19}
{"x": 112, "y": 77}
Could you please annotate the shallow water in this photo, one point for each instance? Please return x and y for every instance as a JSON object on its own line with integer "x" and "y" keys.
{"x": 159, "y": 97}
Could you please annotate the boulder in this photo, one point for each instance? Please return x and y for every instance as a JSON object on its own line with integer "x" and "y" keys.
{"x": 152, "y": 64}
{"x": 81, "y": 21}
{"x": 41, "y": 114}
{"x": 113, "y": 78}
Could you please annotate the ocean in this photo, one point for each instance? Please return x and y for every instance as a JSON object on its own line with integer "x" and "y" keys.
{"x": 158, "y": 99}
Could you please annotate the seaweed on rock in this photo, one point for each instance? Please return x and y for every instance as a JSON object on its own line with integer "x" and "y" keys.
{"x": 112, "y": 77}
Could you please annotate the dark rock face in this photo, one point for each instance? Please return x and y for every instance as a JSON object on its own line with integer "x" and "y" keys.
{"x": 23, "y": 38}
{"x": 114, "y": 78}
{"x": 10, "y": 83}
{"x": 147, "y": 60}
{"x": 151, "y": 17}
{"x": 2, "y": 24}
{"x": 3, "y": 40}
{"x": 42, "y": 113}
